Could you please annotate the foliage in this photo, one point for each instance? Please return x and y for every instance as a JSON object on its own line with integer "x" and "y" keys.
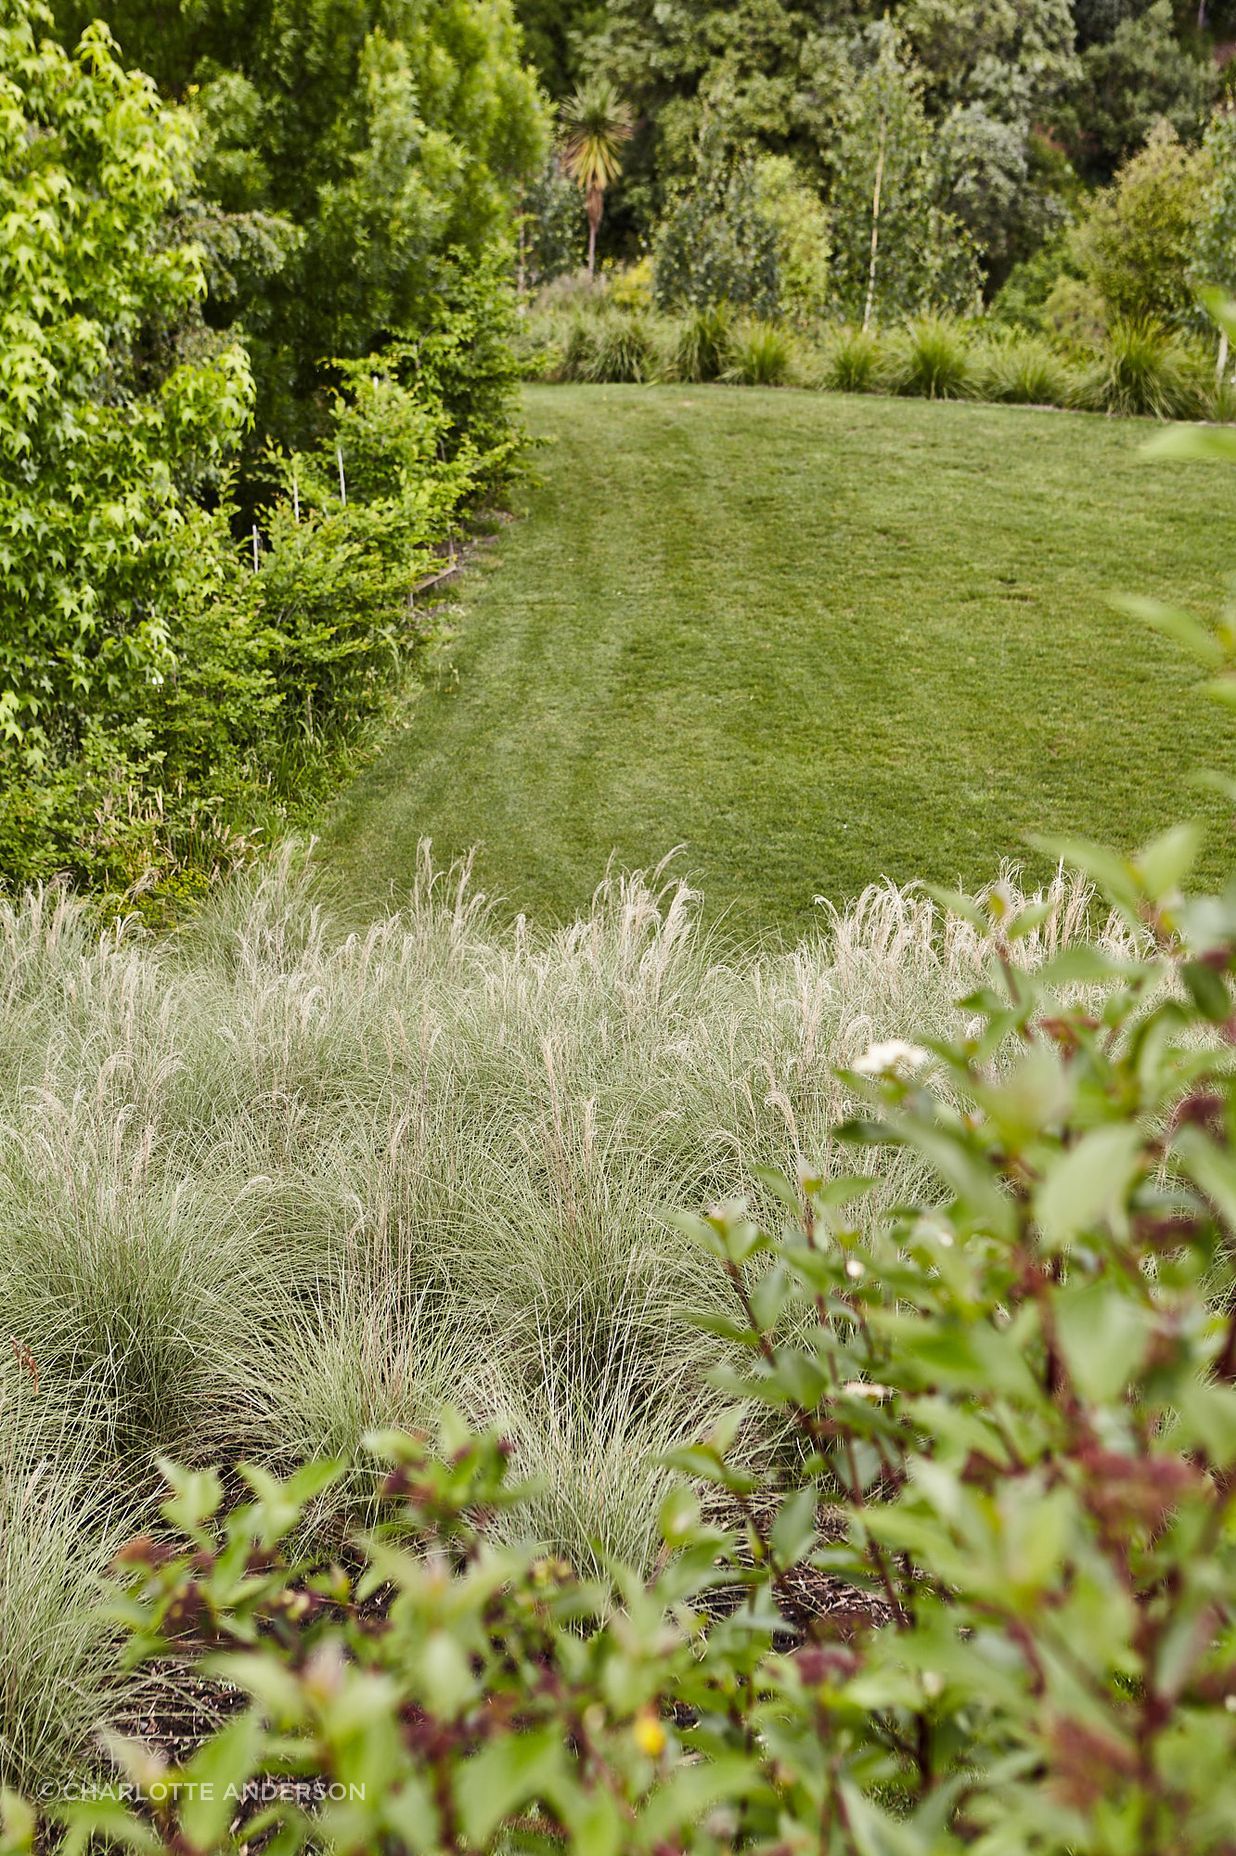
{"x": 716, "y": 243}
{"x": 552, "y": 30}
{"x": 701, "y": 345}
{"x": 994, "y": 74}
{"x": 1021, "y": 301}
{"x": 761, "y": 354}
{"x": 184, "y": 1256}
{"x": 804, "y": 238}
{"x": 932, "y": 359}
{"x": 853, "y": 361}
{"x": 1131, "y": 79}
{"x": 389, "y": 135}
{"x": 551, "y": 226}
{"x": 164, "y": 695}
{"x": 611, "y": 348}
{"x": 1141, "y": 367}
{"x": 983, "y": 1596}
{"x": 1024, "y": 370}
{"x": 1214, "y": 256}
{"x": 896, "y": 251}
{"x": 102, "y": 443}
{"x": 1136, "y": 246}
{"x": 1075, "y": 315}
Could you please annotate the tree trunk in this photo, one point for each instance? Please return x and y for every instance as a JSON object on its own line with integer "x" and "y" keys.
{"x": 596, "y": 206}
{"x": 875, "y": 229}
{"x": 1221, "y": 363}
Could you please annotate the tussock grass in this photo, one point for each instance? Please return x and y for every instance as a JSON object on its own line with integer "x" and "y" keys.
{"x": 853, "y": 362}
{"x": 761, "y": 354}
{"x": 1025, "y": 370}
{"x": 698, "y": 344}
{"x": 270, "y": 1184}
{"x": 1143, "y": 368}
{"x": 931, "y": 359}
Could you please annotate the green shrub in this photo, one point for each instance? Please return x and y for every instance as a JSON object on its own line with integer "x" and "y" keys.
{"x": 853, "y": 361}
{"x": 1141, "y": 368}
{"x": 1024, "y": 370}
{"x": 385, "y": 137}
{"x": 1137, "y": 245}
{"x": 103, "y": 446}
{"x": 716, "y": 244}
{"x": 760, "y": 354}
{"x": 165, "y": 696}
{"x": 931, "y": 359}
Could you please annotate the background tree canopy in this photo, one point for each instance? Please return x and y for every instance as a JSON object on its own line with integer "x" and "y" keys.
{"x": 1025, "y": 101}
{"x": 356, "y": 154}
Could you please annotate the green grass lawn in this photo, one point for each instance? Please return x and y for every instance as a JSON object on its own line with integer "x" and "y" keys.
{"x": 814, "y": 639}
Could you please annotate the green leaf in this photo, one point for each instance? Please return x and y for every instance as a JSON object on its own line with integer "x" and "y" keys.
{"x": 1166, "y": 860}
{"x": 1207, "y": 443}
{"x": 1103, "y": 1332}
{"x": 1087, "y": 1186}
{"x": 1187, "y": 631}
{"x": 1105, "y": 867}
{"x": 1208, "y": 990}
{"x": 679, "y": 1515}
{"x": 217, "y": 1775}
{"x": 505, "y": 1777}
{"x": 196, "y": 1495}
{"x": 793, "y": 1531}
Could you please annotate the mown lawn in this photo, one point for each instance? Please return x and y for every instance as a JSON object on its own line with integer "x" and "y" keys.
{"x": 814, "y": 639}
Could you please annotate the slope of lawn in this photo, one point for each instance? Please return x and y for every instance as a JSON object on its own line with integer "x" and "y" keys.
{"x": 814, "y": 639}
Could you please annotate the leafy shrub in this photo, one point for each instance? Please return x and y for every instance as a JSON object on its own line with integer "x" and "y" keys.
{"x": 854, "y": 361}
{"x": 552, "y": 229}
{"x": 164, "y": 695}
{"x": 102, "y": 447}
{"x": 716, "y": 244}
{"x": 630, "y": 286}
{"x": 931, "y": 358}
{"x": 1024, "y": 371}
{"x": 760, "y": 355}
{"x": 804, "y": 237}
{"x": 386, "y": 136}
{"x": 1141, "y": 368}
{"x": 1137, "y": 245}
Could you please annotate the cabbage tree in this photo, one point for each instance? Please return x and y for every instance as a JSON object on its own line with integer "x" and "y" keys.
{"x": 596, "y": 122}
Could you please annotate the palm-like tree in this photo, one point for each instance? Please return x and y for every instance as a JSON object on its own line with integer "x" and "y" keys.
{"x": 596, "y": 122}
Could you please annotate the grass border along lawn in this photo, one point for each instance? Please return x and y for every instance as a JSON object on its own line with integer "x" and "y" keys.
{"x": 815, "y": 639}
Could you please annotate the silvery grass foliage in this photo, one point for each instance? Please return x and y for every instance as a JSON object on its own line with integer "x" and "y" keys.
{"x": 269, "y": 1185}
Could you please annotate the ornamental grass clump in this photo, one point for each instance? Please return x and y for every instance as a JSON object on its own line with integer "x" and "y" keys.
{"x": 1025, "y": 370}
{"x": 931, "y": 358}
{"x": 266, "y": 1186}
{"x": 699, "y": 344}
{"x": 853, "y": 362}
{"x": 761, "y": 354}
{"x": 1142, "y": 368}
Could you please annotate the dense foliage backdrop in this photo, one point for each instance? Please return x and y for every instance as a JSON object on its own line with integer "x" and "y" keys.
{"x": 256, "y": 307}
